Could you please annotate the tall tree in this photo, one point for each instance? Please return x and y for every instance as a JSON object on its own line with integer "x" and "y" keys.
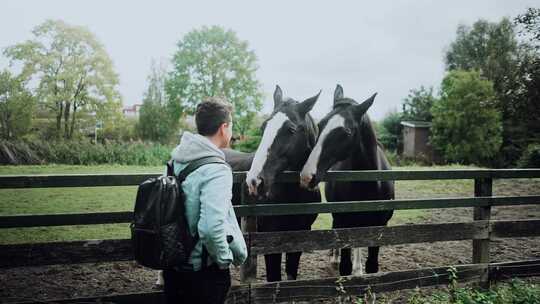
{"x": 494, "y": 50}
{"x": 529, "y": 22}
{"x": 73, "y": 72}
{"x": 489, "y": 47}
{"x": 417, "y": 105}
{"x": 154, "y": 120}
{"x": 214, "y": 62}
{"x": 466, "y": 122}
{"x": 524, "y": 107}
{"x": 16, "y": 106}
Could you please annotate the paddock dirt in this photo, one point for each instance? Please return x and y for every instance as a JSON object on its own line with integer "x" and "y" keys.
{"x": 85, "y": 280}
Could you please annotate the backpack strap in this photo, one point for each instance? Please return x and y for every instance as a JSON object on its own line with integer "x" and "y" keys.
{"x": 194, "y": 165}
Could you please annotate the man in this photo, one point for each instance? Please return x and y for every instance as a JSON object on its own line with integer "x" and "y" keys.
{"x": 209, "y": 211}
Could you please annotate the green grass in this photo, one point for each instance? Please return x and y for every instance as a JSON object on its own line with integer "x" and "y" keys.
{"x": 324, "y": 220}
{"x": 67, "y": 200}
{"x": 121, "y": 198}
{"x": 76, "y": 169}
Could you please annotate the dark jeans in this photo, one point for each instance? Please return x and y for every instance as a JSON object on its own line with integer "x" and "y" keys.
{"x": 207, "y": 286}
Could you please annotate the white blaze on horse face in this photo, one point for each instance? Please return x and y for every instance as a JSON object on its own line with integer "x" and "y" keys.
{"x": 310, "y": 168}
{"x": 272, "y": 127}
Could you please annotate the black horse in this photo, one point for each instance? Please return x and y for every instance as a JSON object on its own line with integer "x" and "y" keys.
{"x": 347, "y": 141}
{"x": 288, "y": 137}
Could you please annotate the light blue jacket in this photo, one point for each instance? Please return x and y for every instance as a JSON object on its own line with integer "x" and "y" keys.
{"x": 209, "y": 210}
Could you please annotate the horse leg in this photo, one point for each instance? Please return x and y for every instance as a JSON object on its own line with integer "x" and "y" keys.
{"x": 273, "y": 267}
{"x": 345, "y": 265}
{"x": 159, "y": 282}
{"x": 292, "y": 260}
{"x": 372, "y": 263}
{"x": 334, "y": 259}
{"x": 357, "y": 267}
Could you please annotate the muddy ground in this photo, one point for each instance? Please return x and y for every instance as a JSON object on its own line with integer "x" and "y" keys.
{"x": 67, "y": 281}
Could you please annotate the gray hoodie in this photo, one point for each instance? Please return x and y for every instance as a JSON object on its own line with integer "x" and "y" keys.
{"x": 208, "y": 203}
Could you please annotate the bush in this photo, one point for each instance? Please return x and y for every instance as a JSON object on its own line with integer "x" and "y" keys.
{"x": 466, "y": 123}
{"x": 250, "y": 143}
{"x": 397, "y": 160}
{"x": 389, "y": 131}
{"x": 531, "y": 157}
{"x": 83, "y": 152}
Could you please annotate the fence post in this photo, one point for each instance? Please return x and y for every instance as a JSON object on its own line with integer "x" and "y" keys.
{"x": 482, "y": 187}
{"x": 248, "y": 271}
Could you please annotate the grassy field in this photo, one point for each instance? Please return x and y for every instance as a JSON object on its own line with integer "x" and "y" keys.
{"x": 102, "y": 199}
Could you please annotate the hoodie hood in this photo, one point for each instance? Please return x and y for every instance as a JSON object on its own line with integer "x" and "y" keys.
{"x": 195, "y": 146}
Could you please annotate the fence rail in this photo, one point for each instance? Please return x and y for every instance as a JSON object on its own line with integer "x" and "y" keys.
{"x": 98, "y": 180}
{"x": 481, "y": 230}
{"x": 66, "y": 219}
{"x": 74, "y": 252}
{"x": 334, "y": 287}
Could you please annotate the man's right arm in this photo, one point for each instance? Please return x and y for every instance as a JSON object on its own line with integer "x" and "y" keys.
{"x": 215, "y": 198}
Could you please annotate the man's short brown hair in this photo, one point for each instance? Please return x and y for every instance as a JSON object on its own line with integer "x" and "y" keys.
{"x": 211, "y": 114}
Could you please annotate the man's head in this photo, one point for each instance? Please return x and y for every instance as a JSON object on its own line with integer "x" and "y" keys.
{"x": 214, "y": 120}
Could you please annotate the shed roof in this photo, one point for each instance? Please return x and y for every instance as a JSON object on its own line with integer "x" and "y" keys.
{"x": 416, "y": 124}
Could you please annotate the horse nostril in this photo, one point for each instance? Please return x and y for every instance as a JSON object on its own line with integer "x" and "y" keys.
{"x": 305, "y": 179}
{"x": 252, "y": 184}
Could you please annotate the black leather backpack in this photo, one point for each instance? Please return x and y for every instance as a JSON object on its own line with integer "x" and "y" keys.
{"x": 159, "y": 231}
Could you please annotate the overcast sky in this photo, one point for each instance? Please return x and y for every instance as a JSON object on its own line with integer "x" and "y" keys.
{"x": 387, "y": 47}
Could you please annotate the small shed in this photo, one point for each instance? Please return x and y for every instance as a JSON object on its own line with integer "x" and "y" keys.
{"x": 416, "y": 139}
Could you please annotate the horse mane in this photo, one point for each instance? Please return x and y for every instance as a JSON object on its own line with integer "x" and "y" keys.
{"x": 313, "y": 130}
{"x": 367, "y": 126}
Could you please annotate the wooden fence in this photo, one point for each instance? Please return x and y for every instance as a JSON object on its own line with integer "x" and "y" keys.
{"x": 481, "y": 230}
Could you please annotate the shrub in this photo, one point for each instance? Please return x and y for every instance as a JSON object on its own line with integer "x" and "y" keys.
{"x": 531, "y": 157}
{"x": 250, "y": 142}
{"x": 83, "y": 152}
{"x": 398, "y": 160}
{"x": 466, "y": 123}
{"x": 389, "y": 131}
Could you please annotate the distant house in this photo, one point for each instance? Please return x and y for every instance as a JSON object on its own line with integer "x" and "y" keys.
{"x": 416, "y": 140}
{"x": 132, "y": 111}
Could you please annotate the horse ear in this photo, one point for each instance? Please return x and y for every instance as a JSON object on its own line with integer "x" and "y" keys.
{"x": 362, "y": 108}
{"x": 305, "y": 106}
{"x": 278, "y": 97}
{"x": 338, "y": 93}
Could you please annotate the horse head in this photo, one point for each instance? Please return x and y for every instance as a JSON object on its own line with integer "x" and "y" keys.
{"x": 340, "y": 131}
{"x": 289, "y": 134}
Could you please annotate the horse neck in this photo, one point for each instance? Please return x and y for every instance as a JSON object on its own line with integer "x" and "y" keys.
{"x": 294, "y": 190}
{"x": 312, "y": 131}
{"x": 364, "y": 155}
